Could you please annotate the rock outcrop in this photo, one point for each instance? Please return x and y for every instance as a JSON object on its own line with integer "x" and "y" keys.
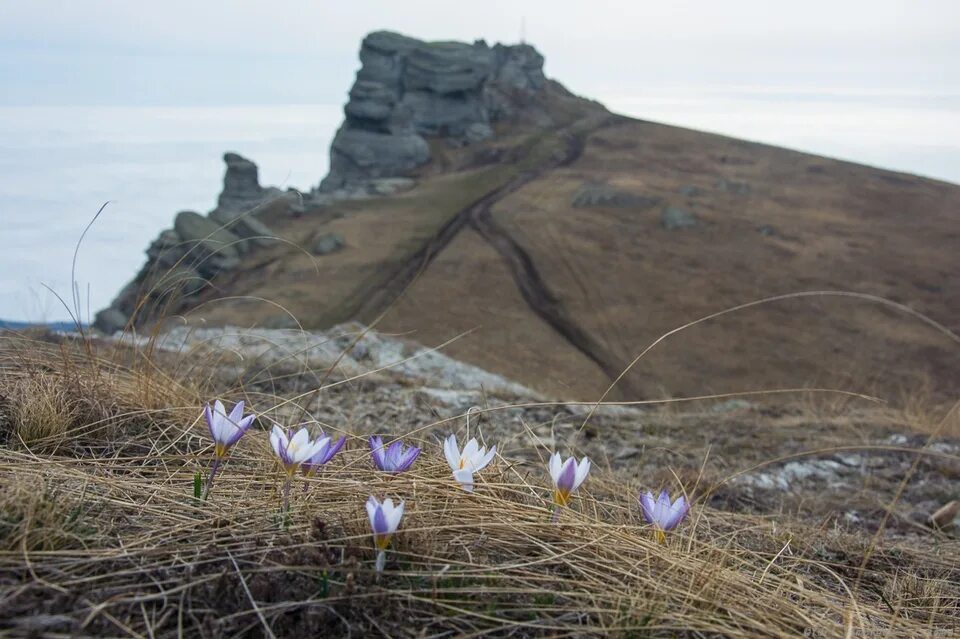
{"x": 408, "y": 90}
{"x": 182, "y": 260}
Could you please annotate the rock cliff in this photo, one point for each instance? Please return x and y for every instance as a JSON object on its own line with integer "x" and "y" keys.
{"x": 182, "y": 260}
{"x": 408, "y": 90}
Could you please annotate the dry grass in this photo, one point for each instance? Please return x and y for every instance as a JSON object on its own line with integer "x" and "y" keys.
{"x": 100, "y": 535}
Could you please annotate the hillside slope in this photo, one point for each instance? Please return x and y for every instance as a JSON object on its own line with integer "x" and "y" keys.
{"x": 557, "y": 248}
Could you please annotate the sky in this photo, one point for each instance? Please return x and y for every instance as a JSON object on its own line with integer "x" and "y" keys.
{"x": 295, "y": 51}
{"x": 134, "y": 102}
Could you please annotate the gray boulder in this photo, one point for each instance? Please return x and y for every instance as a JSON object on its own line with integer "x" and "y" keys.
{"x": 215, "y": 247}
{"x": 328, "y": 243}
{"x": 167, "y": 249}
{"x": 407, "y": 89}
{"x": 675, "y": 218}
{"x": 600, "y": 195}
{"x": 360, "y": 155}
{"x": 110, "y": 320}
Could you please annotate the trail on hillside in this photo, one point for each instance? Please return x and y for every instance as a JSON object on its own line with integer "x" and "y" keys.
{"x": 533, "y": 288}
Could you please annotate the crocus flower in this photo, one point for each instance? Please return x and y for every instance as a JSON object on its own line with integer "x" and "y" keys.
{"x": 663, "y": 514}
{"x": 322, "y": 456}
{"x": 465, "y": 464}
{"x": 567, "y": 477}
{"x": 384, "y": 520}
{"x": 225, "y": 430}
{"x": 394, "y": 459}
{"x": 293, "y": 450}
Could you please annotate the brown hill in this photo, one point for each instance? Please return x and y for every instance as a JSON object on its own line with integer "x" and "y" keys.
{"x": 555, "y": 250}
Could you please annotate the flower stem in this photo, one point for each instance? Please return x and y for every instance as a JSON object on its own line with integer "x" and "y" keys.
{"x": 556, "y": 513}
{"x": 286, "y": 497}
{"x": 381, "y": 560}
{"x": 213, "y": 474}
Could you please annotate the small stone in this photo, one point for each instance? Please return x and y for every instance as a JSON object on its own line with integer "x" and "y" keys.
{"x": 328, "y": 243}
{"x": 732, "y": 186}
{"x": 390, "y": 186}
{"x": 689, "y": 191}
{"x": 675, "y": 218}
{"x": 731, "y": 405}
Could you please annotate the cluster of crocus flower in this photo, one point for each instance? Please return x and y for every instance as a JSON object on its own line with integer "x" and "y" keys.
{"x": 300, "y": 450}
{"x": 296, "y": 449}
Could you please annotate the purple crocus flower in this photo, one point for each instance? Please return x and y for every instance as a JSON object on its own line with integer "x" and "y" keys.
{"x": 384, "y": 520}
{"x": 567, "y": 477}
{"x": 663, "y": 514}
{"x": 226, "y": 430}
{"x": 393, "y": 459}
{"x": 322, "y": 456}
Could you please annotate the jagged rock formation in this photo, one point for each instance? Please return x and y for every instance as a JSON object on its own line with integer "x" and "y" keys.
{"x": 181, "y": 261}
{"x": 408, "y": 90}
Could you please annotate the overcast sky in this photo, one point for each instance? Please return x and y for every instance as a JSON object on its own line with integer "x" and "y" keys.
{"x": 296, "y": 51}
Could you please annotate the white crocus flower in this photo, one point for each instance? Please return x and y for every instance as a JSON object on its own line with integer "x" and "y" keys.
{"x": 464, "y": 464}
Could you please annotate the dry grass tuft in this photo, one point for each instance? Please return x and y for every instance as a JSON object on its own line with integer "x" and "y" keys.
{"x": 56, "y": 397}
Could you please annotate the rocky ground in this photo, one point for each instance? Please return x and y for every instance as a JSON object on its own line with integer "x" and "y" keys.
{"x": 840, "y": 464}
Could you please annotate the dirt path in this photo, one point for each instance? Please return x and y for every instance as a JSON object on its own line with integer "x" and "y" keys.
{"x": 534, "y": 290}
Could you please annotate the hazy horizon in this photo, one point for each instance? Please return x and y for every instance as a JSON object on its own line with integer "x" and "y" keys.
{"x": 106, "y": 100}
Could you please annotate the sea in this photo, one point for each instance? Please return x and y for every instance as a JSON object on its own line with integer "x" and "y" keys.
{"x": 59, "y": 165}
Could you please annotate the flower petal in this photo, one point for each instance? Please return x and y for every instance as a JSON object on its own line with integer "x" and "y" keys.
{"x": 376, "y": 452}
{"x": 583, "y": 469}
{"x": 470, "y": 448}
{"x": 334, "y": 448}
{"x": 380, "y": 524}
{"x": 208, "y": 415}
{"x": 648, "y": 507}
{"x": 486, "y": 459}
{"x": 372, "y": 505}
{"x": 299, "y": 440}
{"x": 555, "y": 466}
{"x": 568, "y": 474}
{"x": 395, "y": 517}
{"x": 677, "y": 512}
{"x": 237, "y": 413}
{"x": 406, "y": 461}
{"x": 393, "y": 455}
{"x": 451, "y": 453}
{"x": 465, "y": 478}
